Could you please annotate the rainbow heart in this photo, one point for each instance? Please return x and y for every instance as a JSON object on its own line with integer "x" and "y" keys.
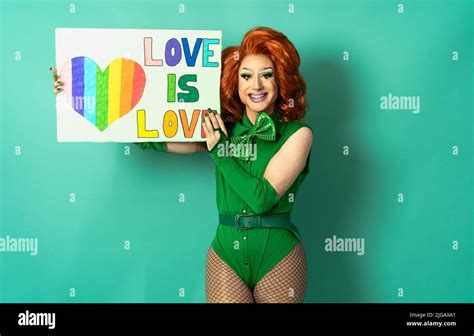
{"x": 102, "y": 97}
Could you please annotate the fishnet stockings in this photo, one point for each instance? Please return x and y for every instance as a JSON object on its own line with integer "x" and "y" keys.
{"x": 284, "y": 283}
{"x": 223, "y": 285}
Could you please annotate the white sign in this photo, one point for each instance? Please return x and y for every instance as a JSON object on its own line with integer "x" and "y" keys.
{"x": 136, "y": 85}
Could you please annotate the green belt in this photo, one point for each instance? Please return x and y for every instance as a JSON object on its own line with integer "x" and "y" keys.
{"x": 249, "y": 221}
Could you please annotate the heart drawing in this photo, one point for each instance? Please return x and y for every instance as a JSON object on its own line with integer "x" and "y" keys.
{"x": 102, "y": 97}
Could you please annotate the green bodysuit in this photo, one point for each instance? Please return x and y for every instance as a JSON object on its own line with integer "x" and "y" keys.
{"x": 241, "y": 187}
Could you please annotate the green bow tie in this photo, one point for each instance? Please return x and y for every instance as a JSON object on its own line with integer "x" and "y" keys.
{"x": 263, "y": 128}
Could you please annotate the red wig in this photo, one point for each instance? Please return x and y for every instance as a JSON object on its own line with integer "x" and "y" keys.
{"x": 291, "y": 99}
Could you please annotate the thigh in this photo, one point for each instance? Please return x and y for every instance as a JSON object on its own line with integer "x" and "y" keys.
{"x": 286, "y": 282}
{"x": 223, "y": 285}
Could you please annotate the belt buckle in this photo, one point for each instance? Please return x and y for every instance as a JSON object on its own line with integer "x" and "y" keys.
{"x": 237, "y": 217}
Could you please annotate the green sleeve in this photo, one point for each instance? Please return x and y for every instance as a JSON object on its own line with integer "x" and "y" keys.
{"x": 257, "y": 192}
{"x": 157, "y": 146}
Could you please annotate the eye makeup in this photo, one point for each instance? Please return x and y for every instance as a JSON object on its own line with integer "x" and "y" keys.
{"x": 245, "y": 75}
{"x": 265, "y": 74}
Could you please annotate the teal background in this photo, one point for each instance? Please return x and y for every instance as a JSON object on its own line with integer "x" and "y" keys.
{"x": 136, "y": 197}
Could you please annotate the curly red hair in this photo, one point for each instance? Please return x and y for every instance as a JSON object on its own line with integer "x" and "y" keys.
{"x": 291, "y": 99}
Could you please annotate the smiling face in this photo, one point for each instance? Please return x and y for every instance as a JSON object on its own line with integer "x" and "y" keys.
{"x": 257, "y": 84}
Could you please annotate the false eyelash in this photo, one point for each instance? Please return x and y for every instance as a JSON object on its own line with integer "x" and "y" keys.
{"x": 244, "y": 75}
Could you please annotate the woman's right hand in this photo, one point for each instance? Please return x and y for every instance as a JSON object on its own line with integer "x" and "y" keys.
{"x": 57, "y": 83}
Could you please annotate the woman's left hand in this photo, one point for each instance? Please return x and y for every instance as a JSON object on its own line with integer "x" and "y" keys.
{"x": 212, "y": 124}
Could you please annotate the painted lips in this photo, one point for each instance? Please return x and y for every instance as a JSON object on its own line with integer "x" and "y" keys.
{"x": 257, "y": 98}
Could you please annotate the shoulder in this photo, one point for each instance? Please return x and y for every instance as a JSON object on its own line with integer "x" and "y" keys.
{"x": 297, "y": 130}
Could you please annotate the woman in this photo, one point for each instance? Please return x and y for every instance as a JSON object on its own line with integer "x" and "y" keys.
{"x": 256, "y": 255}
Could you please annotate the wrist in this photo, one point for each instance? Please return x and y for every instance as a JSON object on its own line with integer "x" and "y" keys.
{"x": 214, "y": 150}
